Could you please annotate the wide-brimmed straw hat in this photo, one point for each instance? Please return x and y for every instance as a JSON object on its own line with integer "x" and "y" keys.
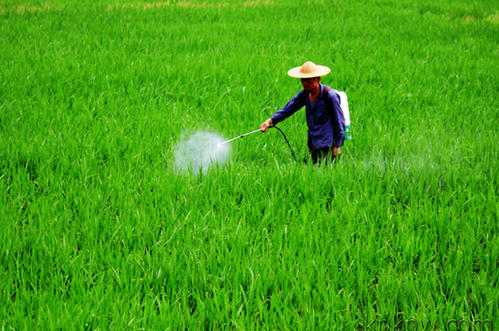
{"x": 309, "y": 70}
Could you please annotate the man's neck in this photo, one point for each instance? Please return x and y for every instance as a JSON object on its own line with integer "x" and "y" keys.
{"x": 315, "y": 93}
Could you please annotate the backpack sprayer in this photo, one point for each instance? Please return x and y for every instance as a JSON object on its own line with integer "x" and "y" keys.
{"x": 259, "y": 130}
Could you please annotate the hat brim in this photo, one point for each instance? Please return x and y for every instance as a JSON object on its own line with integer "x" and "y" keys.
{"x": 320, "y": 71}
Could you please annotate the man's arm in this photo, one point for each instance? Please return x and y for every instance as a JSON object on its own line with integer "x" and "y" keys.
{"x": 289, "y": 109}
{"x": 338, "y": 120}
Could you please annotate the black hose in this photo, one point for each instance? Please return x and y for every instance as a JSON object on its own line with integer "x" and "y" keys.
{"x": 285, "y": 138}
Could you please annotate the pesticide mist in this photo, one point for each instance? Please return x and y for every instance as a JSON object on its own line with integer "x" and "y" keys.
{"x": 199, "y": 151}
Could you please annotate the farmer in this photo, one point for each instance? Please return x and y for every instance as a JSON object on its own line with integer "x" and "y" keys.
{"x": 326, "y": 124}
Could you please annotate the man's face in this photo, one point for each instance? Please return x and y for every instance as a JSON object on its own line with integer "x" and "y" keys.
{"x": 310, "y": 84}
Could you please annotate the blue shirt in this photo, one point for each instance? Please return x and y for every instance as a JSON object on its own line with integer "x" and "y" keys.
{"x": 325, "y": 120}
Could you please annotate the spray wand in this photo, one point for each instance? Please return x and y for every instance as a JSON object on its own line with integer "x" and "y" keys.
{"x": 238, "y": 137}
{"x": 259, "y": 130}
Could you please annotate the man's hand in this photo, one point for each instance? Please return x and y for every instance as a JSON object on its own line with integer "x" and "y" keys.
{"x": 336, "y": 151}
{"x": 265, "y": 125}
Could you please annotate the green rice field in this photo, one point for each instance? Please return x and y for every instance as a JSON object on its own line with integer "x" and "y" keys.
{"x": 99, "y": 231}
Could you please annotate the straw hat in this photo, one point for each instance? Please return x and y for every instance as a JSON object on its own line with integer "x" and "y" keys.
{"x": 309, "y": 70}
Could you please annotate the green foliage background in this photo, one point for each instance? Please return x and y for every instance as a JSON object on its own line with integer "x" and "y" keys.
{"x": 99, "y": 232}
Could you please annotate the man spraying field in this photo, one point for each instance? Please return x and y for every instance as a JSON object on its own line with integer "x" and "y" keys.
{"x": 325, "y": 120}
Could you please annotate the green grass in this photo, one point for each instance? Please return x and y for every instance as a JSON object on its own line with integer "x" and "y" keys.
{"x": 99, "y": 232}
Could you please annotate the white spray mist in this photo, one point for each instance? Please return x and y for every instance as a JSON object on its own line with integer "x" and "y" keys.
{"x": 199, "y": 151}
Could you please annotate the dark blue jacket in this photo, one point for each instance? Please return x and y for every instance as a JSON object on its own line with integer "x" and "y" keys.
{"x": 325, "y": 120}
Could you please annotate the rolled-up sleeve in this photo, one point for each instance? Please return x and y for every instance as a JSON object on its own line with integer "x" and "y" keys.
{"x": 290, "y": 108}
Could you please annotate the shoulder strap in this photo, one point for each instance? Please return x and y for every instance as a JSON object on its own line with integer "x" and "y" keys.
{"x": 326, "y": 90}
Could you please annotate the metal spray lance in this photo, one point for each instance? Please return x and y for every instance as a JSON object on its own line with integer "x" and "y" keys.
{"x": 238, "y": 137}
{"x": 259, "y": 130}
